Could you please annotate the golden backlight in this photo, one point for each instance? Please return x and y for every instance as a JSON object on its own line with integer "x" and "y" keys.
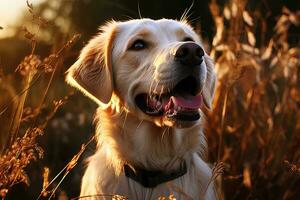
{"x": 10, "y": 13}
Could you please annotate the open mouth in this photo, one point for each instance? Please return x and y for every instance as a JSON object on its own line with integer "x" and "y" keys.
{"x": 182, "y": 103}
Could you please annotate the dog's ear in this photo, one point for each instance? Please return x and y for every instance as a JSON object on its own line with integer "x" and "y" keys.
{"x": 92, "y": 72}
{"x": 210, "y": 83}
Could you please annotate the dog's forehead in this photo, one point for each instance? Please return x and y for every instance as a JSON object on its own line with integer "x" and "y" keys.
{"x": 166, "y": 26}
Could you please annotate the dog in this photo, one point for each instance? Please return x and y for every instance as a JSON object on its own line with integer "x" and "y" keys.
{"x": 151, "y": 79}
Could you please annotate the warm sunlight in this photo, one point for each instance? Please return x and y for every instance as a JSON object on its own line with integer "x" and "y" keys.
{"x": 10, "y": 13}
{"x": 90, "y": 108}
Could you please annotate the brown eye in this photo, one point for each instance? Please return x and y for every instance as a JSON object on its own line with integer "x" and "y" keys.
{"x": 138, "y": 45}
{"x": 188, "y": 39}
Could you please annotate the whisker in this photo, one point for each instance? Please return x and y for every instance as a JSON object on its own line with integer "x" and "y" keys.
{"x": 186, "y": 14}
{"x": 163, "y": 134}
{"x": 161, "y": 91}
{"x": 150, "y": 91}
{"x": 139, "y": 10}
{"x": 126, "y": 114}
{"x": 157, "y": 83}
{"x": 138, "y": 125}
{"x": 151, "y": 85}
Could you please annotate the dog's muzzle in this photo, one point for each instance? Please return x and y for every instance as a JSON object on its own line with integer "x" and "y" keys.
{"x": 181, "y": 99}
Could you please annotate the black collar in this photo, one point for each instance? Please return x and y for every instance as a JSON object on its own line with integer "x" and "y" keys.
{"x": 151, "y": 179}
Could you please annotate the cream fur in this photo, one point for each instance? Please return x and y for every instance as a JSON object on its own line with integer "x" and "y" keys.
{"x": 106, "y": 70}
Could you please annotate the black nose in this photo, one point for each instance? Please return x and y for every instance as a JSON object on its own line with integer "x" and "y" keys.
{"x": 189, "y": 54}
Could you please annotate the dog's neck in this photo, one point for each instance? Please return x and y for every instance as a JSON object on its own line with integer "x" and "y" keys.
{"x": 128, "y": 140}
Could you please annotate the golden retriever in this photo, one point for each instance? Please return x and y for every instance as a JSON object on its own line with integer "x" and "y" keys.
{"x": 150, "y": 79}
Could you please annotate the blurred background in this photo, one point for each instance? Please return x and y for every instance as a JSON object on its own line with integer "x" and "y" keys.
{"x": 254, "y": 128}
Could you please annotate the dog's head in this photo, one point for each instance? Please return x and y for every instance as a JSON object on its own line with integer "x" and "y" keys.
{"x": 158, "y": 69}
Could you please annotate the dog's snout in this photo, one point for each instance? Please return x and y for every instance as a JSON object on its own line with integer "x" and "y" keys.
{"x": 189, "y": 54}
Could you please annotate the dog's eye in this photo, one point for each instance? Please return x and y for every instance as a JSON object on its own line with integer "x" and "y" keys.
{"x": 188, "y": 39}
{"x": 138, "y": 45}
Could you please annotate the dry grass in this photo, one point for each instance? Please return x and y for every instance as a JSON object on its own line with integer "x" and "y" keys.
{"x": 21, "y": 145}
{"x": 253, "y": 131}
{"x": 256, "y": 115}
{"x": 22, "y": 126}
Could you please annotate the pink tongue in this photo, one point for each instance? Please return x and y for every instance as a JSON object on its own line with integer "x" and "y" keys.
{"x": 190, "y": 102}
{"x": 187, "y": 102}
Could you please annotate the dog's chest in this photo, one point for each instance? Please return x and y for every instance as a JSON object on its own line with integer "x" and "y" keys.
{"x": 101, "y": 179}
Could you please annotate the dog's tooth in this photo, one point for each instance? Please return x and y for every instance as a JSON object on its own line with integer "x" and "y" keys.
{"x": 179, "y": 108}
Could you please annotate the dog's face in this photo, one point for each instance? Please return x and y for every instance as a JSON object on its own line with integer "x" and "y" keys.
{"x": 157, "y": 69}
